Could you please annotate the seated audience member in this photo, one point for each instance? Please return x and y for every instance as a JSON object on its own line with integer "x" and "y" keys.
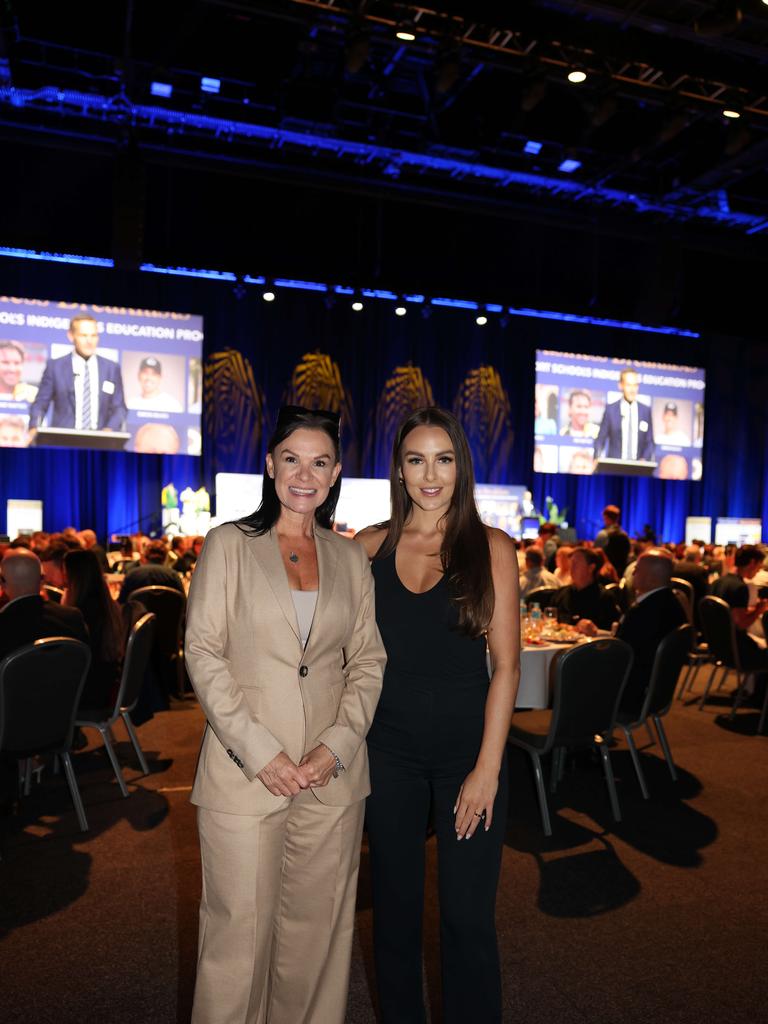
{"x": 607, "y": 574}
{"x": 152, "y": 572}
{"x": 122, "y": 553}
{"x": 547, "y": 543}
{"x": 535, "y": 574}
{"x": 563, "y": 565}
{"x": 40, "y": 541}
{"x": 691, "y": 569}
{"x": 758, "y": 582}
{"x": 190, "y": 556}
{"x": 27, "y": 617}
{"x": 87, "y": 591}
{"x": 89, "y": 542}
{"x": 178, "y": 548}
{"x": 585, "y": 603}
{"x": 733, "y": 589}
{"x": 613, "y": 540}
{"x": 52, "y": 559}
{"x": 655, "y": 613}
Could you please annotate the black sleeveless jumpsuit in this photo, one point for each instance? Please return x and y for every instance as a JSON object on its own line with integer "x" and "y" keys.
{"x": 424, "y": 741}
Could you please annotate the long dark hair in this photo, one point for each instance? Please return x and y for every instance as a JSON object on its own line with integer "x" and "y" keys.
{"x": 289, "y": 419}
{"x": 465, "y": 554}
{"x": 88, "y": 591}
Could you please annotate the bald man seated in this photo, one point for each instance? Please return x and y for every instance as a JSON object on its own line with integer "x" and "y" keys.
{"x": 655, "y": 613}
{"x": 27, "y": 616}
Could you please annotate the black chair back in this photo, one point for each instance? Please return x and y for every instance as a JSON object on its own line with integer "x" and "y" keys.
{"x": 542, "y": 595}
{"x": 684, "y": 602}
{"x": 685, "y": 585}
{"x": 40, "y": 686}
{"x": 137, "y": 654}
{"x": 168, "y": 606}
{"x": 589, "y": 680}
{"x": 54, "y": 594}
{"x": 719, "y": 631}
{"x": 671, "y": 654}
{"x": 619, "y": 595}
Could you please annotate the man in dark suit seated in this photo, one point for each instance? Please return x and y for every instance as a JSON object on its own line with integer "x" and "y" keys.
{"x": 626, "y": 429}
{"x": 152, "y": 572}
{"x": 27, "y": 616}
{"x": 86, "y": 390}
{"x": 585, "y": 603}
{"x": 655, "y": 613}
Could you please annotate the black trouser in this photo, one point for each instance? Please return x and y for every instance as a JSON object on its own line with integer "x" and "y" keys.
{"x": 468, "y": 872}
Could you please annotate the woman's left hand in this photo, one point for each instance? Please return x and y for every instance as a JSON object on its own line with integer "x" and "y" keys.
{"x": 319, "y": 765}
{"x": 474, "y": 803}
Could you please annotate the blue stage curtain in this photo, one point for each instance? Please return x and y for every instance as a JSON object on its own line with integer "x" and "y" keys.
{"x": 374, "y": 367}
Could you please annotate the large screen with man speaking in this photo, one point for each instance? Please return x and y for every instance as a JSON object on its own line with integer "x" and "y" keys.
{"x": 109, "y": 377}
{"x": 595, "y": 414}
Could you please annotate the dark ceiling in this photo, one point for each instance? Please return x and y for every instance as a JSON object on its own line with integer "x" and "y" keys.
{"x": 475, "y": 115}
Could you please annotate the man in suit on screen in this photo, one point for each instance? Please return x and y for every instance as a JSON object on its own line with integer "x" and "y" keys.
{"x": 626, "y": 430}
{"x": 86, "y": 390}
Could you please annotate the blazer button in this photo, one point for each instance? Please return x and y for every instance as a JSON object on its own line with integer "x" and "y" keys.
{"x": 303, "y": 671}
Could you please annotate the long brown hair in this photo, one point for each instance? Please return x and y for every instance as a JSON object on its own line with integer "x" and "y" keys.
{"x": 87, "y": 590}
{"x": 465, "y": 554}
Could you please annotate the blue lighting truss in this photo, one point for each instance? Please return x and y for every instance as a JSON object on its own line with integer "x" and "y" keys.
{"x": 227, "y": 276}
{"x": 389, "y": 162}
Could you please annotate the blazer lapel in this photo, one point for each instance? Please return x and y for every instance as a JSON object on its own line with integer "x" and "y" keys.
{"x": 267, "y": 553}
{"x": 327, "y": 563}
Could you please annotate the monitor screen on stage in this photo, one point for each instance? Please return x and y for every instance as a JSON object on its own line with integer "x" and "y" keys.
{"x": 84, "y": 376}
{"x": 601, "y": 415}
{"x": 738, "y": 531}
{"x": 698, "y": 528}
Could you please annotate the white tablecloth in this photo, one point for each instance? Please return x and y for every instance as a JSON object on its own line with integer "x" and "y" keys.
{"x": 534, "y": 675}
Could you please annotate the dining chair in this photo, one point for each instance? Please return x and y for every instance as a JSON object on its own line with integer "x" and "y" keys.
{"x": 671, "y": 656}
{"x": 40, "y": 686}
{"x": 589, "y": 681}
{"x": 720, "y": 634}
{"x": 542, "y": 595}
{"x": 54, "y": 594}
{"x": 169, "y": 607}
{"x": 137, "y": 654}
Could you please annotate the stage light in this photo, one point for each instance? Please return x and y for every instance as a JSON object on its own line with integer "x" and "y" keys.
{"x": 577, "y": 77}
{"x": 268, "y": 296}
{"x": 481, "y": 320}
{"x": 212, "y": 85}
{"x": 731, "y": 114}
{"x": 568, "y": 166}
{"x": 164, "y": 89}
{"x": 357, "y": 306}
{"x": 400, "y": 310}
{"x": 404, "y": 32}
{"x": 531, "y": 147}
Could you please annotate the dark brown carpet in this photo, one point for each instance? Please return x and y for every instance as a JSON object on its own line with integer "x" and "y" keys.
{"x": 661, "y": 918}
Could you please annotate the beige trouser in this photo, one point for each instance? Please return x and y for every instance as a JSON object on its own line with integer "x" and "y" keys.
{"x": 277, "y": 914}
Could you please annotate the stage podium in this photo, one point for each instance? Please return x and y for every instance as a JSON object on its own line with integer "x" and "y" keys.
{"x": 625, "y": 467}
{"x": 61, "y": 437}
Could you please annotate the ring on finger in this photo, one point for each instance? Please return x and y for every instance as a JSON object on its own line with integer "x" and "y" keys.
{"x": 480, "y": 815}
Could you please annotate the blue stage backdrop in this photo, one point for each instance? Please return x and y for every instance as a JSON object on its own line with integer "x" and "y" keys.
{"x": 374, "y": 368}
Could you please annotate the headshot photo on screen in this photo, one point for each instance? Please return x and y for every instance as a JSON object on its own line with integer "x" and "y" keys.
{"x": 545, "y": 458}
{"x": 577, "y": 460}
{"x": 626, "y": 430}
{"x": 156, "y": 439}
{"x": 673, "y": 466}
{"x": 153, "y": 382}
{"x": 80, "y": 390}
{"x": 545, "y": 409}
{"x": 672, "y": 422}
{"x": 13, "y": 431}
{"x": 581, "y": 412}
{"x": 21, "y": 367}
{"x": 195, "y": 386}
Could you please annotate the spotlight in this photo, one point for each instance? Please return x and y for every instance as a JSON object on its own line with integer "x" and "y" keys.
{"x": 400, "y": 310}
{"x": 268, "y": 296}
{"x": 404, "y": 32}
{"x": 481, "y": 320}
{"x": 164, "y": 89}
{"x": 532, "y": 148}
{"x": 357, "y": 306}
{"x": 212, "y": 85}
{"x": 577, "y": 77}
{"x": 568, "y": 166}
{"x": 731, "y": 114}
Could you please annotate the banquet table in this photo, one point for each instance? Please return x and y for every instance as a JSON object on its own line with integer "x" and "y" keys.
{"x": 535, "y": 663}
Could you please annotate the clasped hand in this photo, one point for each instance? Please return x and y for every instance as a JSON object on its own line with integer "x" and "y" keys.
{"x": 284, "y": 778}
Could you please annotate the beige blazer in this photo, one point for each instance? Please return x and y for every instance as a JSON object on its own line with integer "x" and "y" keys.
{"x": 261, "y": 691}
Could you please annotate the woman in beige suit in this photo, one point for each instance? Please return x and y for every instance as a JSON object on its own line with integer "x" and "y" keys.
{"x": 286, "y": 660}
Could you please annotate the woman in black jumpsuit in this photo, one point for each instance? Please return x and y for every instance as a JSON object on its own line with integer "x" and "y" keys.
{"x": 437, "y": 742}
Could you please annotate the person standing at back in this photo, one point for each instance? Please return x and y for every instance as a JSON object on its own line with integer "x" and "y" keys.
{"x": 613, "y": 540}
{"x": 445, "y": 584}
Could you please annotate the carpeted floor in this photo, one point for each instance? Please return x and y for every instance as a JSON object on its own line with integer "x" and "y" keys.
{"x": 663, "y": 917}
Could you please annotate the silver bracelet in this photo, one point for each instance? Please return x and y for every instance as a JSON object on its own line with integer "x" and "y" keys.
{"x": 338, "y": 767}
